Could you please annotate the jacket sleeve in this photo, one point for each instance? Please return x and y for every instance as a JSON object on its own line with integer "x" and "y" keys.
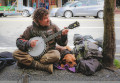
{"x": 61, "y": 39}
{"x": 23, "y": 41}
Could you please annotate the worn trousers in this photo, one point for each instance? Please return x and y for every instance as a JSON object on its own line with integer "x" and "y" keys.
{"x": 52, "y": 56}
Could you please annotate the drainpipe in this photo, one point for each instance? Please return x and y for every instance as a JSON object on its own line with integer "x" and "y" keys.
{"x": 28, "y": 4}
{"x": 61, "y": 3}
{"x": 38, "y": 3}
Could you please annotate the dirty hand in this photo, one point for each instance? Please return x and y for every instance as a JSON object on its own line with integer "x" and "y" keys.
{"x": 65, "y": 31}
{"x": 33, "y": 43}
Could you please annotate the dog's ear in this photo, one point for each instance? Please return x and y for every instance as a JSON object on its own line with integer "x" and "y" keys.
{"x": 63, "y": 61}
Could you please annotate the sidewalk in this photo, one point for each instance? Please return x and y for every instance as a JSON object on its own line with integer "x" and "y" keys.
{"x": 14, "y": 73}
{"x": 117, "y": 15}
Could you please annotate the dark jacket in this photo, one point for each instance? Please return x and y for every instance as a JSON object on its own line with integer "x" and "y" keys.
{"x": 34, "y": 30}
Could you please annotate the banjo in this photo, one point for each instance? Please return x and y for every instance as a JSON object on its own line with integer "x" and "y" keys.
{"x": 40, "y": 48}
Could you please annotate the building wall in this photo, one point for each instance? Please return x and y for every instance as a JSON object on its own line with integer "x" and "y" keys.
{"x": 6, "y": 2}
{"x": 2, "y": 2}
{"x": 58, "y": 3}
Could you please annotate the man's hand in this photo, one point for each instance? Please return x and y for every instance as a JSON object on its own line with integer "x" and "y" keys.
{"x": 65, "y": 31}
{"x": 33, "y": 43}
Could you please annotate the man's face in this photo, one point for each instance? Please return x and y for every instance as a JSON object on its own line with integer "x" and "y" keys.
{"x": 45, "y": 21}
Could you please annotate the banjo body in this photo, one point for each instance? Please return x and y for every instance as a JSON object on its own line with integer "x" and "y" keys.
{"x": 39, "y": 49}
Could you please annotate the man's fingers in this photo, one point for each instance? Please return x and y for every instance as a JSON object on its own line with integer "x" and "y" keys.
{"x": 65, "y": 31}
{"x": 33, "y": 43}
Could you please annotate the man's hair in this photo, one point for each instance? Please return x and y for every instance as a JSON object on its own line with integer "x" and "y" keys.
{"x": 39, "y": 13}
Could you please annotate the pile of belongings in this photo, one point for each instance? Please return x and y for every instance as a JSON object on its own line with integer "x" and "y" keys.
{"x": 6, "y": 59}
{"x": 88, "y": 53}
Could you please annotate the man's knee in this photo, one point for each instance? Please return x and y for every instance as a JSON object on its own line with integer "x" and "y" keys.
{"x": 22, "y": 57}
{"x": 56, "y": 54}
{"x": 52, "y": 56}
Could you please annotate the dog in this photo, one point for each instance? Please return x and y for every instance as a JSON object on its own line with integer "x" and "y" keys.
{"x": 67, "y": 58}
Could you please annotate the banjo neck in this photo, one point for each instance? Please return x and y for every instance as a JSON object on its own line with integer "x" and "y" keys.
{"x": 71, "y": 26}
{"x": 52, "y": 36}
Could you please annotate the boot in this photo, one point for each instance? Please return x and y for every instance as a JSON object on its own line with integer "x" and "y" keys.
{"x": 21, "y": 65}
{"x": 44, "y": 67}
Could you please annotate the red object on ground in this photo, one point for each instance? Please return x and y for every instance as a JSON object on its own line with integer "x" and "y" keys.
{"x": 117, "y": 11}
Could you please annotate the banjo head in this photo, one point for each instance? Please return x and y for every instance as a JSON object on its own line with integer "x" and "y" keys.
{"x": 39, "y": 49}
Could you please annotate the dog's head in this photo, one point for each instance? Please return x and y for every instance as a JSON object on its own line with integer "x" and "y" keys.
{"x": 68, "y": 59}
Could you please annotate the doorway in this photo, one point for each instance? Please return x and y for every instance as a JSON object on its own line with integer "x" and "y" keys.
{"x": 25, "y": 2}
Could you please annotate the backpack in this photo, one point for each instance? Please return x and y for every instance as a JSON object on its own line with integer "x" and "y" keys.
{"x": 6, "y": 59}
{"x": 89, "y": 66}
